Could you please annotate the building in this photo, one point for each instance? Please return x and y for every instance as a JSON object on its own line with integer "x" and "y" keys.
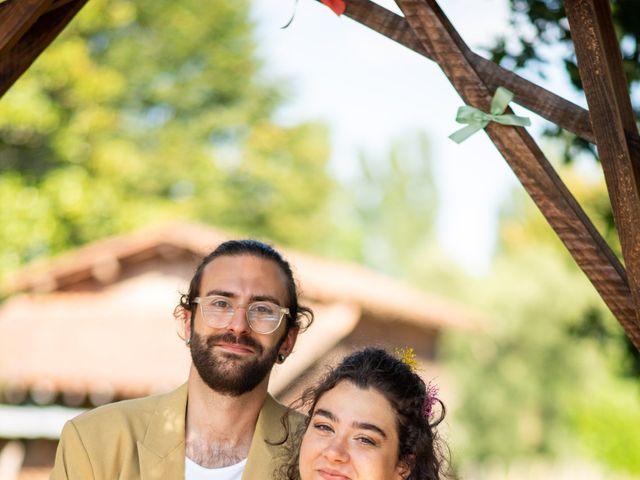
{"x": 95, "y": 325}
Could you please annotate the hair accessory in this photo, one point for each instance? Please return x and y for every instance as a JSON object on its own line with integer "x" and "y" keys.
{"x": 430, "y": 399}
{"x": 407, "y": 356}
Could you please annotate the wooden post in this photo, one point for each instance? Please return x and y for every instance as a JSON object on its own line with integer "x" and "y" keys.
{"x": 613, "y": 120}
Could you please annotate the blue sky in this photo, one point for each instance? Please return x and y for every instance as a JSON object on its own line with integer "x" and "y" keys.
{"x": 370, "y": 90}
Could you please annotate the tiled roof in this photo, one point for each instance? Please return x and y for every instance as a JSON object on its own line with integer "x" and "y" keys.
{"x": 119, "y": 340}
{"x": 321, "y": 279}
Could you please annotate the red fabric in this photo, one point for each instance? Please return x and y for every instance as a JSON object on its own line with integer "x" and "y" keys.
{"x": 338, "y": 6}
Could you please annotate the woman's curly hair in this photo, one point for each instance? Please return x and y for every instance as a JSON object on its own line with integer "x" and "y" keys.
{"x": 420, "y": 448}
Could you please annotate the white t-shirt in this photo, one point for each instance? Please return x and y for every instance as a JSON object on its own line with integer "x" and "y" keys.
{"x": 193, "y": 471}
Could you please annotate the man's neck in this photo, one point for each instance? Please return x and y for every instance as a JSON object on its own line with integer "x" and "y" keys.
{"x": 219, "y": 428}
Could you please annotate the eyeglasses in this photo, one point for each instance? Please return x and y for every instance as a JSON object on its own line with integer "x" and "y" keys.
{"x": 262, "y": 317}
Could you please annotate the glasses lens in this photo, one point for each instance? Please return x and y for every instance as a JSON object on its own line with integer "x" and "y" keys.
{"x": 217, "y": 311}
{"x": 264, "y": 317}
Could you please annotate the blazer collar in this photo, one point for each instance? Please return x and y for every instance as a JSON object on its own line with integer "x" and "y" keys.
{"x": 161, "y": 452}
{"x": 264, "y": 457}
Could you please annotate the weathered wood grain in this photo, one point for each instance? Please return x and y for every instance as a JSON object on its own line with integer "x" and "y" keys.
{"x": 536, "y": 174}
{"x": 33, "y": 41}
{"x": 16, "y": 17}
{"x": 612, "y": 117}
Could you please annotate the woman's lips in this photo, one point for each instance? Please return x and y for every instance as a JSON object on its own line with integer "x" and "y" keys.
{"x": 330, "y": 474}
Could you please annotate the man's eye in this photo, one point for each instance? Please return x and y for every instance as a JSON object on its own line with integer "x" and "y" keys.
{"x": 263, "y": 309}
{"x": 222, "y": 304}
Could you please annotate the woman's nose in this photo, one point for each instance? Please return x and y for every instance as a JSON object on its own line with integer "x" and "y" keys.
{"x": 337, "y": 450}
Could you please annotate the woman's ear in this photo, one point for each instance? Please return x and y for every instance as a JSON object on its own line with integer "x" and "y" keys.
{"x": 404, "y": 467}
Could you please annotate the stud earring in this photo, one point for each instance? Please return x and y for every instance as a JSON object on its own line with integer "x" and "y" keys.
{"x": 188, "y": 341}
{"x": 281, "y": 358}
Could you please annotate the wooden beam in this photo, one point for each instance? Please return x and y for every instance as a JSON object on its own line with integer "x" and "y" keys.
{"x": 16, "y": 17}
{"x": 42, "y": 32}
{"x": 534, "y": 171}
{"x": 548, "y": 105}
{"x": 613, "y": 120}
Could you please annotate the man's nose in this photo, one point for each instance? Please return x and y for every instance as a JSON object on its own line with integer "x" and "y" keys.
{"x": 239, "y": 324}
{"x": 337, "y": 450}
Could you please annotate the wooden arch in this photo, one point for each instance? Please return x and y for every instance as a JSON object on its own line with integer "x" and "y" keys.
{"x": 27, "y": 27}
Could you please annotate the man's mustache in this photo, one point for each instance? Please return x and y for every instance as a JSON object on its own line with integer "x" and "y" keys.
{"x": 231, "y": 338}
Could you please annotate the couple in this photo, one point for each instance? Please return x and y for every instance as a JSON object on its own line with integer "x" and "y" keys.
{"x": 369, "y": 418}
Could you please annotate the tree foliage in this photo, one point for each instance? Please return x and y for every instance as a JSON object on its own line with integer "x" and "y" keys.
{"x": 152, "y": 110}
{"x": 540, "y": 35}
{"x": 538, "y": 380}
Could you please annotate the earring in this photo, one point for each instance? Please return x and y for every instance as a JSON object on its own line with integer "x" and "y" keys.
{"x": 188, "y": 341}
{"x": 281, "y": 358}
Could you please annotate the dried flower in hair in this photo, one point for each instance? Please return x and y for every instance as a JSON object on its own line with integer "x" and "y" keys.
{"x": 407, "y": 356}
{"x": 430, "y": 399}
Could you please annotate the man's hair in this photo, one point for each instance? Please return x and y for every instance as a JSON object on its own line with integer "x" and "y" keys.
{"x": 299, "y": 315}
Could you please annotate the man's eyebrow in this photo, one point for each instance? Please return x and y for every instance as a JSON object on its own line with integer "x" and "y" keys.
{"x": 254, "y": 298}
{"x": 325, "y": 413}
{"x": 221, "y": 293}
{"x": 265, "y": 298}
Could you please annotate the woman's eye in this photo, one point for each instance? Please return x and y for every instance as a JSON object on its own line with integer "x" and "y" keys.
{"x": 322, "y": 427}
{"x": 366, "y": 441}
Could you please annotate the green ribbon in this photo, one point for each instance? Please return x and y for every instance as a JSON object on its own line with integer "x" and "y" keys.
{"x": 477, "y": 119}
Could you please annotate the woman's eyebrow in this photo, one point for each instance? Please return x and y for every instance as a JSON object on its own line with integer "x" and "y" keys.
{"x": 358, "y": 425}
{"x": 369, "y": 426}
{"x": 325, "y": 413}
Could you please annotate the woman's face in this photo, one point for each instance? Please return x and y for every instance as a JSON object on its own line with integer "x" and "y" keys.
{"x": 352, "y": 435}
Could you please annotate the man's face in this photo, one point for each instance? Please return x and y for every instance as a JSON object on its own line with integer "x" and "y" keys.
{"x": 234, "y": 360}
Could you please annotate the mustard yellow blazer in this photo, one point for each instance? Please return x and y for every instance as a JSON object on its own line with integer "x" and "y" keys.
{"x": 145, "y": 439}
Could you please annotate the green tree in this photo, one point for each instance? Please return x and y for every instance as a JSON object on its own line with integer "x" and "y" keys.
{"x": 389, "y": 205}
{"x": 152, "y": 110}
{"x": 540, "y": 35}
{"x": 536, "y": 381}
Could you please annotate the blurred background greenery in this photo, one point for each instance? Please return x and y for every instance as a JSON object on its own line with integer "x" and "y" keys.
{"x": 128, "y": 119}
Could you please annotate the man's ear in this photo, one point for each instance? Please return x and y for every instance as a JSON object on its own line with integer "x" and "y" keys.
{"x": 289, "y": 341}
{"x": 183, "y": 322}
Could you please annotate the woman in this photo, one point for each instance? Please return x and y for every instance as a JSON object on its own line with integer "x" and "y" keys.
{"x": 370, "y": 418}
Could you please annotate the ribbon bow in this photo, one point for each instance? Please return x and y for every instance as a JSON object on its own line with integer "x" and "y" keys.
{"x": 477, "y": 119}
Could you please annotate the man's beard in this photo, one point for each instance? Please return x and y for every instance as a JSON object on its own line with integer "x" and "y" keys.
{"x": 227, "y": 374}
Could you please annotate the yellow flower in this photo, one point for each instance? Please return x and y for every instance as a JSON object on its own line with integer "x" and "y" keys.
{"x": 408, "y": 356}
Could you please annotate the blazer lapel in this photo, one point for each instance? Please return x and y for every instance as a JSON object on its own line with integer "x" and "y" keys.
{"x": 264, "y": 457}
{"x": 161, "y": 453}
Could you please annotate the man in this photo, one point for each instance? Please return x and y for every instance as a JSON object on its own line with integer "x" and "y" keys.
{"x": 239, "y": 318}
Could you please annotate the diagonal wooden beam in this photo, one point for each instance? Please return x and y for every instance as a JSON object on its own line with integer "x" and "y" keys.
{"x": 612, "y": 117}
{"x": 548, "y": 105}
{"x": 41, "y": 33}
{"x": 16, "y": 17}
{"x": 534, "y": 171}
